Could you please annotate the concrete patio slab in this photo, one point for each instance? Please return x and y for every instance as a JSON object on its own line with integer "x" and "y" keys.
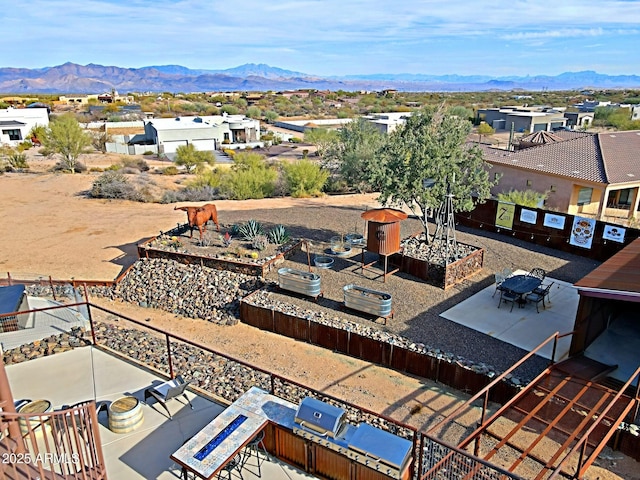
{"x": 89, "y": 373}
{"x": 522, "y": 327}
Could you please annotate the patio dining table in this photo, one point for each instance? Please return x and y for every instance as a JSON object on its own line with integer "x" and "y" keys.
{"x": 521, "y": 285}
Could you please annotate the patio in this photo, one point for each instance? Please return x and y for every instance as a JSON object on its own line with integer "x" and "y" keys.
{"x": 522, "y": 327}
{"x": 90, "y": 373}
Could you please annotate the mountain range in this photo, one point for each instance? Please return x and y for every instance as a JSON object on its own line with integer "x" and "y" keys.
{"x": 73, "y": 78}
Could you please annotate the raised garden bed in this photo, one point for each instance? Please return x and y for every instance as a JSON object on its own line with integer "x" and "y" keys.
{"x": 237, "y": 257}
{"x": 428, "y": 263}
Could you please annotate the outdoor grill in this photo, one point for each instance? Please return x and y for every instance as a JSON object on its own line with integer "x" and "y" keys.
{"x": 372, "y": 447}
{"x": 323, "y": 418}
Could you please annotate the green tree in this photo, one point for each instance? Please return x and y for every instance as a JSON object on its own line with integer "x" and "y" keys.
{"x": 305, "y": 178}
{"x": 322, "y": 138}
{"x": 485, "y": 129}
{"x": 65, "y": 137}
{"x": 189, "y": 157}
{"x": 424, "y": 158}
{"x": 254, "y": 112}
{"x": 356, "y": 148}
{"x": 270, "y": 116}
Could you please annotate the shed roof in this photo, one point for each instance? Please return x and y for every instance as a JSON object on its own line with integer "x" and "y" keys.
{"x": 384, "y": 215}
{"x": 620, "y": 274}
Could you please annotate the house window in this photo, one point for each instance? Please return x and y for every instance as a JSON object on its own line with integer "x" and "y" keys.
{"x": 13, "y": 134}
{"x": 528, "y": 183}
{"x": 552, "y": 188}
{"x": 584, "y": 196}
{"x": 625, "y": 197}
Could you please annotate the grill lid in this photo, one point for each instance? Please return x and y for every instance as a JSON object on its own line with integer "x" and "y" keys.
{"x": 381, "y": 445}
{"x": 319, "y": 416}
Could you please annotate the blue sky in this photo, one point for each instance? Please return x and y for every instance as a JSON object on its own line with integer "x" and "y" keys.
{"x": 331, "y": 37}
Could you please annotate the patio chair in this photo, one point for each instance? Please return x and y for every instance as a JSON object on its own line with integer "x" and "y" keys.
{"x": 168, "y": 390}
{"x": 234, "y": 464}
{"x": 508, "y": 296}
{"x": 256, "y": 448}
{"x": 500, "y": 277}
{"x": 538, "y": 273}
{"x": 539, "y": 296}
{"x": 507, "y": 272}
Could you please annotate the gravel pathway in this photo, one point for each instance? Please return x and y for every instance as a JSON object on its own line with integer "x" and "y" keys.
{"x": 417, "y": 305}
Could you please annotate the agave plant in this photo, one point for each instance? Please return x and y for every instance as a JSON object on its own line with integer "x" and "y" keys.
{"x": 250, "y": 230}
{"x": 279, "y": 235}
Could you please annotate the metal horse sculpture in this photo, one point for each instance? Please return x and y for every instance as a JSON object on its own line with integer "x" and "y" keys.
{"x": 199, "y": 216}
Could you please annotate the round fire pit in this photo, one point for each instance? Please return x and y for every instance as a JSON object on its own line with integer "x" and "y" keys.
{"x": 323, "y": 262}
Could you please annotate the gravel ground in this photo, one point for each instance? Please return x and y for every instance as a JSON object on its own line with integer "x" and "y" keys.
{"x": 417, "y": 305}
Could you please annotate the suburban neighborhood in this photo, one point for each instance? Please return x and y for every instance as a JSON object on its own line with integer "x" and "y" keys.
{"x": 436, "y": 289}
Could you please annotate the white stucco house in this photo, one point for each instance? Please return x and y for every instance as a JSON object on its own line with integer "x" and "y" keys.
{"x": 206, "y": 133}
{"x": 16, "y": 123}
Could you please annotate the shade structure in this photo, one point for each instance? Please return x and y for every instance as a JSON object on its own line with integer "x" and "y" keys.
{"x": 384, "y": 215}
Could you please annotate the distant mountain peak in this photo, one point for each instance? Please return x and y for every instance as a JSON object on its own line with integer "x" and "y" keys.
{"x": 73, "y": 78}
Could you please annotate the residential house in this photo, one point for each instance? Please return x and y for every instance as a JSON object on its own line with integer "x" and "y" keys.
{"x": 204, "y": 132}
{"x": 16, "y": 123}
{"x": 593, "y": 175}
{"x": 579, "y": 119}
{"x": 523, "y": 119}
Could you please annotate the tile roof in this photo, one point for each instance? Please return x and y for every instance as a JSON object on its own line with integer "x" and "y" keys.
{"x": 621, "y": 154}
{"x": 578, "y": 157}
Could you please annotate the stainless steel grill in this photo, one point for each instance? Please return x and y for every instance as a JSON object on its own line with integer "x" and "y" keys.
{"x": 323, "y": 418}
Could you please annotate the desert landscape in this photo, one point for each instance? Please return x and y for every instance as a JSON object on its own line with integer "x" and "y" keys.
{"x": 51, "y": 228}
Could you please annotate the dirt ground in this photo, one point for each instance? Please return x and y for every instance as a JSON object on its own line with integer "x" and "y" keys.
{"x": 51, "y": 228}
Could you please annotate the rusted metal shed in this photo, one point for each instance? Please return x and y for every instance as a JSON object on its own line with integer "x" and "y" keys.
{"x": 383, "y": 234}
{"x": 607, "y": 288}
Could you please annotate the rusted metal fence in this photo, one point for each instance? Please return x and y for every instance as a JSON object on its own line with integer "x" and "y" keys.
{"x": 180, "y": 356}
{"x": 60, "y": 445}
{"x": 483, "y": 217}
{"x": 372, "y": 350}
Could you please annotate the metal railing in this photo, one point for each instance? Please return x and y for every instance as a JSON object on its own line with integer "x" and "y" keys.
{"x": 64, "y": 444}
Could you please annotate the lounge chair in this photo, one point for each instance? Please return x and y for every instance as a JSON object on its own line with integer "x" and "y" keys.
{"x": 168, "y": 390}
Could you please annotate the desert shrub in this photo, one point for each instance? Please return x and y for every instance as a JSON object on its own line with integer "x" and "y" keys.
{"x": 17, "y": 160}
{"x": 210, "y": 178}
{"x": 200, "y": 194}
{"x": 147, "y": 152}
{"x": 245, "y": 184}
{"x": 170, "y": 170}
{"x": 305, "y": 178}
{"x": 250, "y": 177}
{"x": 137, "y": 164}
{"x": 295, "y": 140}
{"x": 115, "y": 185}
{"x": 279, "y": 235}
{"x": 337, "y": 185}
{"x": 229, "y": 152}
{"x": 96, "y": 170}
{"x": 250, "y": 230}
{"x": 25, "y": 145}
{"x": 65, "y": 166}
{"x": 260, "y": 242}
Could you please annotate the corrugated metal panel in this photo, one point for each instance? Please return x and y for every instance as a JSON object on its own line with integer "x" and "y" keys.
{"x": 621, "y": 272}
{"x": 331, "y": 465}
{"x": 290, "y": 326}
{"x": 383, "y": 238}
